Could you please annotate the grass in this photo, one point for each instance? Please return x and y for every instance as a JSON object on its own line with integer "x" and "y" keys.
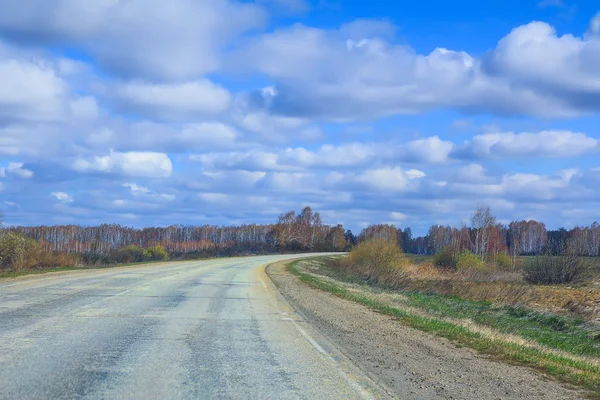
{"x": 560, "y": 346}
{"x": 16, "y": 274}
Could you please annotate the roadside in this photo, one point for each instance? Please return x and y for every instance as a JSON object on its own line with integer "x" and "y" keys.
{"x": 411, "y": 363}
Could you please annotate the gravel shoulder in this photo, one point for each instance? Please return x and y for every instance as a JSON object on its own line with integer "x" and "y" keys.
{"x": 409, "y": 363}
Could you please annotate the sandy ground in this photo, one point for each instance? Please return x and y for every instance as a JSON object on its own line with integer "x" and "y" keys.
{"x": 408, "y": 363}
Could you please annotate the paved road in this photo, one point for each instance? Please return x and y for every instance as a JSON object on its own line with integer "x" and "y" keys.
{"x": 193, "y": 330}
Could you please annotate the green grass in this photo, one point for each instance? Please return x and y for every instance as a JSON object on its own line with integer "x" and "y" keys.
{"x": 14, "y": 274}
{"x": 568, "y": 334}
{"x": 551, "y": 331}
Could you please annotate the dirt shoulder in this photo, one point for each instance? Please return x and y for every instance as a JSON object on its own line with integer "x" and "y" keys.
{"x": 408, "y": 362}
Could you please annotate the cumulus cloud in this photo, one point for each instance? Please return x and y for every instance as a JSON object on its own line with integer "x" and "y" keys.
{"x": 387, "y": 179}
{"x": 186, "y": 100}
{"x": 30, "y": 91}
{"x": 139, "y": 38}
{"x": 136, "y": 164}
{"x": 526, "y": 144}
{"x": 323, "y": 74}
{"x": 138, "y": 190}
{"x": 566, "y": 67}
{"x": 16, "y": 169}
{"x": 62, "y": 197}
{"x": 430, "y": 150}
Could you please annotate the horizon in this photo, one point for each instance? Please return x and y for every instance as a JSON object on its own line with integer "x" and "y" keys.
{"x": 149, "y": 114}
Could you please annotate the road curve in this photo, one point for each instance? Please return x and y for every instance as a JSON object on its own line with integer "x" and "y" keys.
{"x": 189, "y": 330}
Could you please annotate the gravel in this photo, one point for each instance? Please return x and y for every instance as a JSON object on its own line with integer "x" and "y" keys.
{"x": 408, "y": 363}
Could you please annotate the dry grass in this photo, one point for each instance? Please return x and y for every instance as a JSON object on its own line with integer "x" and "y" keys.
{"x": 496, "y": 285}
{"x": 561, "y": 346}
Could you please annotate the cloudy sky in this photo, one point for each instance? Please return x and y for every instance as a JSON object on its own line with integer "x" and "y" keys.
{"x": 152, "y": 112}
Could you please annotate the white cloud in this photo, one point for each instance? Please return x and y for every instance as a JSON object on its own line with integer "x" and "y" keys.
{"x": 62, "y": 197}
{"x": 84, "y": 108}
{"x": 141, "y": 38}
{"x": 16, "y": 169}
{"x": 595, "y": 25}
{"x": 430, "y": 150}
{"x": 539, "y": 144}
{"x": 564, "y": 67}
{"x": 174, "y": 100}
{"x": 415, "y": 174}
{"x": 136, "y": 164}
{"x": 138, "y": 190}
{"x": 398, "y": 216}
{"x": 317, "y": 74}
{"x": 384, "y": 179}
{"x": 30, "y": 91}
{"x": 135, "y": 189}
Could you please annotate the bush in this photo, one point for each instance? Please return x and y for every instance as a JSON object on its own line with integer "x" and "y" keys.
{"x": 549, "y": 269}
{"x": 503, "y": 261}
{"x": 157, "y": 253}
{"x": 56, "y": 259}
{"x": 376, "y": 259}
{"x": 444, "y": 258}
{"x": 17, "y": 252}
{"x": 469, "y": 261}
{"x": 130, "y": 254}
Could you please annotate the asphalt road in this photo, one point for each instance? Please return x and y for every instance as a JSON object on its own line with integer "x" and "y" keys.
{"x": 190, "y": 330}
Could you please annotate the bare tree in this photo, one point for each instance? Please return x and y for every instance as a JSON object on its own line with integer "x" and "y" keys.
{"x": 482, "y": 221}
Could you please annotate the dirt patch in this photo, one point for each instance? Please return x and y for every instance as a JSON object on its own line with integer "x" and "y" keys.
{"x": 409, "y": 363}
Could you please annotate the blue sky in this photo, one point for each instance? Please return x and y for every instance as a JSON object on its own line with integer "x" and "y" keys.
{"x": 146, "y": 112}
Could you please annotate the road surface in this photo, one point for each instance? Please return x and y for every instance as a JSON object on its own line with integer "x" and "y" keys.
{"x": 189, "y": 330}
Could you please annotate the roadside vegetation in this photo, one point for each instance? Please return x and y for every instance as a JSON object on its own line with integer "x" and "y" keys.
{"x": 48, "y": 248}
{"x": 563, "y": 345}
{"x": 542, "y": 310}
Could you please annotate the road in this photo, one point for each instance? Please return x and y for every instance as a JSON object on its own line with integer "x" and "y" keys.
{"x": 189, "y": 330}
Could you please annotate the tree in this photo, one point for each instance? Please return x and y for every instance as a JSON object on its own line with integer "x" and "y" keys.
{"x": 482, "y": 222}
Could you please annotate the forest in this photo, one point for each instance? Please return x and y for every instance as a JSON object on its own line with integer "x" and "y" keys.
{"x": 23, "y": 246}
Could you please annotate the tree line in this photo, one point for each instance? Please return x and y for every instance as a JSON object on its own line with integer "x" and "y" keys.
{"x": 291, "y": 232}
{"x": 305, "y": 231}
{"x": 485, "y": 237}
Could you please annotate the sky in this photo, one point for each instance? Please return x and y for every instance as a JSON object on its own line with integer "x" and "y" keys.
{"x": 152, "y": 112}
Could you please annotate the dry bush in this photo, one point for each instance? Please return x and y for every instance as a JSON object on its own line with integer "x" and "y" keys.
{"x": 550, "y": 269}
{"x": 17, "y": 252}
{"x": 57, "y": 259}
{"x": 444, "y": 258}
{"x": 377, "y": 260}
{"x": 22, "y": 254}
{"x": 425, "y": 271}
{"x": 503, "y": 261}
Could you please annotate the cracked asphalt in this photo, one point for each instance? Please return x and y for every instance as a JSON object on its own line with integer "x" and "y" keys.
{"x": 189, "y": 330}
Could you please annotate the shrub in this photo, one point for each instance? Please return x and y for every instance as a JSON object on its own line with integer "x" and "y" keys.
{"x": 130, "y": 254}
{"x": 503, "y": 261}
{"x": 56, "y": 259}
{"x": 444, "y": 258}
{"x": 157, "y": 253}
{"x": 550, "y": 269}
{"x": 377, "y": 259}
{"x": 469, "y": 261}
{"x": 17, "y": 252}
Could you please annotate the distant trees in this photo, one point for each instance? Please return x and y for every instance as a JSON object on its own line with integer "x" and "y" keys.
{"x": 305, "y": 231}
{"x": 380, "y": 231}
{"x": 482, "y": 223}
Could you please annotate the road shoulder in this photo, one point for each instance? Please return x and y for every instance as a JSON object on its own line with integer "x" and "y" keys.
{"x": 412, "y": 364}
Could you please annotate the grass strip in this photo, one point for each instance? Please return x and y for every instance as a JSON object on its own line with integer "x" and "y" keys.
{"x": 576, "y": 372}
